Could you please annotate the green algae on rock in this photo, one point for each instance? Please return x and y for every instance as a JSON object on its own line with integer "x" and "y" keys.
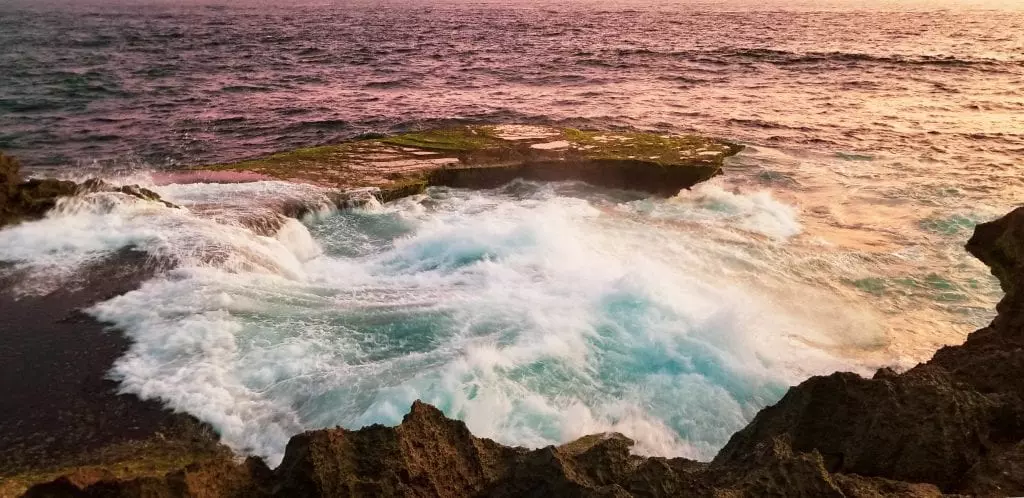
{"x": 488, "y": 156}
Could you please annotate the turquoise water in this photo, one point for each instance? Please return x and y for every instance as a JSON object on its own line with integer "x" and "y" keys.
{"x": 536, "y": 313}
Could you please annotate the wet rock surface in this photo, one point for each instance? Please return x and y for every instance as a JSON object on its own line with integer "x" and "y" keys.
{"x": 60, "y": 413}
{"x": 29, "y": 199}
{"x": 22, "y": 200}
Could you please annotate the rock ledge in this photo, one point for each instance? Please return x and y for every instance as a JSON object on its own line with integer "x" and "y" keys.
{"x": 490, "y": 156}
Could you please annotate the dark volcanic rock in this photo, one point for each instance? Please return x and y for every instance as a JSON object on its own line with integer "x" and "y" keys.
{"x": 431, "y": 455}
{"x": 773, "y": 468}
{"x": 990, "y": 359}
{"x": 428, "y": 455}
{"x": 1000, "y": 245}
{"x": 918, "y": 427}
{"x": 30, "y": 199}
{"x": 97, "y": 185}
{"x": 956, "y": 421}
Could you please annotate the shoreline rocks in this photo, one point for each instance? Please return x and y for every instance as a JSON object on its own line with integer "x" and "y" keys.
{"x": 21, "y": 200}
{"x": 61, "y": 413}
{"x": 25, "y": 200}
{"x": 956, "y": 421}
{"x": 387, "y": 168}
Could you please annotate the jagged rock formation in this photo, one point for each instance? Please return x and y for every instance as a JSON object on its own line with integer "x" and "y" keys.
{"x": 21, "y": 200}
{"x": 31, "y": 199}
{"x": 431, "y": 455}
{"x": 490, "y": 156}
{"x": 956, "y": 421}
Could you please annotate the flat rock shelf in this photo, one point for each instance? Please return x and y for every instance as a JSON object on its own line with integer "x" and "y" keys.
{"x": 489, "y": 156}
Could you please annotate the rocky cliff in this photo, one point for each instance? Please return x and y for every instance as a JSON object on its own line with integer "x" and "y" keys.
{"x": 956, "y": 421}
{"x": 952, "y": 425}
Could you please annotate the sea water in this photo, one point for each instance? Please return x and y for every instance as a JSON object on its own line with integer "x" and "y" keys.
{"x": 536, "y": 313}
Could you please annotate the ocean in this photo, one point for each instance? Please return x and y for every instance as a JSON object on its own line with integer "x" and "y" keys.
{"x": 877, "y": 135}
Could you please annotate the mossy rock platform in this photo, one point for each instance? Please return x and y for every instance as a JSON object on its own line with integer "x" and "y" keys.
{"x": 489, "y": 156}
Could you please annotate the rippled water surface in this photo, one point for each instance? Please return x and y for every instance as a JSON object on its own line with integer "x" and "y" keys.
{"x": 169, "y": 84}
{"x": 877, "y": 136}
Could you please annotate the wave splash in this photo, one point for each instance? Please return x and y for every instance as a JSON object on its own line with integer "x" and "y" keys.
{"x": 535, "y": 313}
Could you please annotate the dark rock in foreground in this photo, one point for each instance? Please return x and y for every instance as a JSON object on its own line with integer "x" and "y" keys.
{"x": 956, "y": 421}
{"x": 431, "y": 455}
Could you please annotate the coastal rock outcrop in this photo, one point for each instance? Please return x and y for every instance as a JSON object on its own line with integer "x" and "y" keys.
{"x": 30, "y": 199}
{"x": 20, "y": 200}
{"x": 429, "y": 454}
{"x": 387, "y": 168}
{"x": 956, "y": 421}
{"x": 486, "y": 156}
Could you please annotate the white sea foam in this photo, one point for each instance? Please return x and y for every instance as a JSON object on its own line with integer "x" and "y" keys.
{"x": 534, "y": 316}
{"x": 710, "y": 202}
{"x": 205, "y": 231}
